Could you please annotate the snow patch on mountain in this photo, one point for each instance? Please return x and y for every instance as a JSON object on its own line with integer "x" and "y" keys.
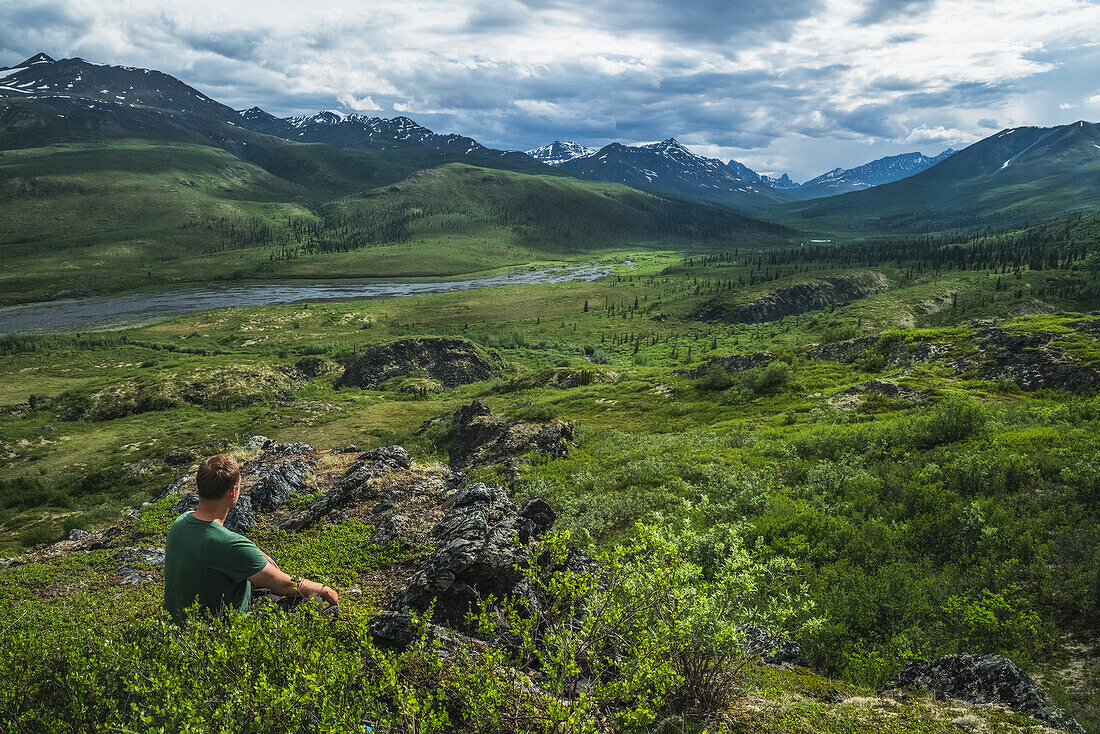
{"x": 559, "y": 152}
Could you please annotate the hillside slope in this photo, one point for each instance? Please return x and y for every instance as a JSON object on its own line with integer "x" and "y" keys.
{"x": 1015, "y": 177}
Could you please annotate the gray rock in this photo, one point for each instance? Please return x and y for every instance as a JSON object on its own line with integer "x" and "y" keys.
{"x": 540, "y": 518}
{"x": 242, "y": 517}
{"x": 173, "y": 488}
{"x": 275, "y": 489}
{"x": 983, "y": 679}
{"x": 258, "y": 442}
{"x": 5, "y": 562}
{"x": 396, "y": 631}
{"x": 286, "y": 450}
{"x": 478, "y": 552}
{"x": 186, "y": 503}
{"x": 130, "y": 577}
{"x": 451, "y": 361}
{"x": 354, "y": 485}
{"x": 141, "y": 554}
{"x": 483, "y": 439}
{"x": 77, "y": 534}
{"x": 772, "y": 649}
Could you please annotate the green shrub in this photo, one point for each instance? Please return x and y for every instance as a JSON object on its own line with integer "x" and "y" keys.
{"x": 954, "y": 419}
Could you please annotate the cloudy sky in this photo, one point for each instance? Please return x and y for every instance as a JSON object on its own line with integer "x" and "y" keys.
{"x": 781, "y": 85}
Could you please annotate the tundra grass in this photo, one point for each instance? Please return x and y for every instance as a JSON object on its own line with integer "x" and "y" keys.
{"x": 915, "y": 542}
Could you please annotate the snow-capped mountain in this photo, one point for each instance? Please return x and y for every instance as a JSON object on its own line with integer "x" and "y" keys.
{"x": 559, "y": 152}
{"x": 670, "y": 168}
{"x": 783, "y": 183}
{"x": 877, "y": 172}
{"x": 343, "y": 129}
{"x": 41, "y": 76}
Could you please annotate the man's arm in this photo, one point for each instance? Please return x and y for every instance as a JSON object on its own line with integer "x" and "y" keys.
{"x": 271, "y": 577}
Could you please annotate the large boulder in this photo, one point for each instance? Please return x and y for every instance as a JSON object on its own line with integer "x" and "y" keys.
{"x": 479, "y": 544}
{"x": 982, "y": 679}
{"x": 480, "y": 438}
{"x": 450, "y": 361}
{"x": 275, "y": 489}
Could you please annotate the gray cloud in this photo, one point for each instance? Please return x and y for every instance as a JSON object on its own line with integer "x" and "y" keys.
{"x": 783, "y": 86}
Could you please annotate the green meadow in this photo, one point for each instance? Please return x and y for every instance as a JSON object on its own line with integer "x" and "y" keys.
{"x": 960, "y": 521}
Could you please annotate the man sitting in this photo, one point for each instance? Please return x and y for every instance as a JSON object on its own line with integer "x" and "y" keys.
{"x": 205, "y": 561}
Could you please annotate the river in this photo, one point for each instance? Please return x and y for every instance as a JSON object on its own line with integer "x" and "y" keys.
{"x": 138, "y": 309}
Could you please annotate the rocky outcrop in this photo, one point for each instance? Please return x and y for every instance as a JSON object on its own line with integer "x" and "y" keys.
{"x": 354, "y": 485}
{"x": 798, "y": 298}
{"x": 479, "y": 438}
{"x": 887, "y": 352}
{"x": 275, "y": 489}
{"x": 983, "y": 679}
{"x": 479, "y": 543}
{"x": 312, "y": 367}
{"x": 1031, "y": 361}
{"x": 732, "y": 363}
{"x": 452, "y": 362}
{"x": 772, "y": 649}
{"x": 397, "y": 630}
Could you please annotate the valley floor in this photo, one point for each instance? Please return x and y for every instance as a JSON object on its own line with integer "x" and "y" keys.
{"x": 925, "y": 451}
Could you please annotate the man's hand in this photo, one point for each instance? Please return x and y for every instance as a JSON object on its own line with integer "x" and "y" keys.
{"x": 329, "y": 595}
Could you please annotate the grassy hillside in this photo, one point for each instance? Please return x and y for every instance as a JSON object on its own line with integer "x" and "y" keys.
{"x": 1015, "y": 178}
{"x": 106, "y": 217}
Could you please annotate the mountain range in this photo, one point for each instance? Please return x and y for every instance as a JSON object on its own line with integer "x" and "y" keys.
{"x": 669, "y": 165}
{"x": 1023, "y": 172}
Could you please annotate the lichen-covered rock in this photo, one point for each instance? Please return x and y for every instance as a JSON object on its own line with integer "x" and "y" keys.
{"x": 452, "y": 362}
{"x": 271, "y": 492}
{"x": 141, "y": 554}
{"x": 983, "y": 679}
{"x": 480, "y": 438}
{"x": 478, "y": 549}
{"x": 353, "y": 485}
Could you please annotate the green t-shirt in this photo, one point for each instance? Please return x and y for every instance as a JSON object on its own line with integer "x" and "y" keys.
{"x": 204, "y": 561}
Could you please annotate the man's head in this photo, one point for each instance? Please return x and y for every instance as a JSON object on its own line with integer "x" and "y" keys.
{"x": 218, "y": 478}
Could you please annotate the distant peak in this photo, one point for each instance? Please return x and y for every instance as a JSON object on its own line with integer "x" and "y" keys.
{"x": 39, "y": 58}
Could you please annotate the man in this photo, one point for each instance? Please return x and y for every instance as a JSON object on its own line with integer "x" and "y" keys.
{"x": 205, "y": 561}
